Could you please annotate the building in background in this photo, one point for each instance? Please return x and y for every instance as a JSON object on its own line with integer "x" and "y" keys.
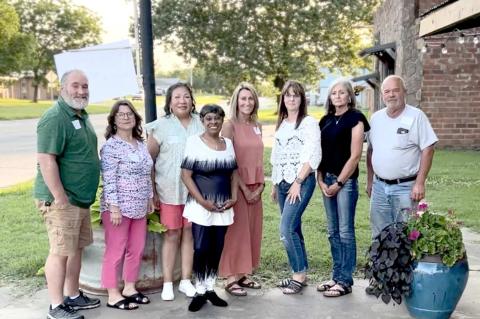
{"x": 434, "y": 46}
{"x": 20, "y": 86}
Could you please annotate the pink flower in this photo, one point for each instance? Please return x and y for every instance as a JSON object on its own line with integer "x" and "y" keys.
{"x": 423, "y": 206}
{"x": 420, "y": 213}
{"x": 414, "y": 234}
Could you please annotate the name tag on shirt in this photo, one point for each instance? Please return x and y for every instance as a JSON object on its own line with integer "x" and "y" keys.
{"x": 76, "y": 124}
{"x": 133, "y": 157}
{"x": 257, "y": 131}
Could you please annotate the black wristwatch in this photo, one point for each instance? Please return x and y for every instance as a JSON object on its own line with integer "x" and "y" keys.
{"x": 339, "y": 183}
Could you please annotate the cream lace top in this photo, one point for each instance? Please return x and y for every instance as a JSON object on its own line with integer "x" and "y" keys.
{"x": 294, "y": 147}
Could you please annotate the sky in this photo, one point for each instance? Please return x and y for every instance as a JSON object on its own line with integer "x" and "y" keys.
{"x": 115, "y": 17}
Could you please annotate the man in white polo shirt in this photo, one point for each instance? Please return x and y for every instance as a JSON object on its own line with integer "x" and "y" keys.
{"x": 399, "y": 157}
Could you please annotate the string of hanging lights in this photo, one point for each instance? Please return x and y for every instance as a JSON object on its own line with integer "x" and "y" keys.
{"x": 441, "y": 41}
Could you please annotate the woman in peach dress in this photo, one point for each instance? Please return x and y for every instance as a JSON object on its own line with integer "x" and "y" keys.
{"x": 241, "y": 253}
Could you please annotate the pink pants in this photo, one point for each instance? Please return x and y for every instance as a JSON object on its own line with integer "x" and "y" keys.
{"x": 124, "y": 242}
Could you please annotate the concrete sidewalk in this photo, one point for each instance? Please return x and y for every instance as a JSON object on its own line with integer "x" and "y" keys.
{"x": 264, "y": 303}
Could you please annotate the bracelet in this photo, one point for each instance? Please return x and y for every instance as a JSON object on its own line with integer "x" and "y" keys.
{"x": 299, "y": 180}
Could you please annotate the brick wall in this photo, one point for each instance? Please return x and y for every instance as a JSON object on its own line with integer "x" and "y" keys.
{"x": 450, "y": 94}
{"x": 445, "y": 86}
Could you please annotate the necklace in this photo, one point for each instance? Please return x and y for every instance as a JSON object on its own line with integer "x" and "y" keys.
{"x": 217, "y": 144}
{"x": 339, "y": 117}
{"x": 338, "y": 120}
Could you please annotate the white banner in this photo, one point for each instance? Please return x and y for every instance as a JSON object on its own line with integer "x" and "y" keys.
{"x": 109, "y": 68}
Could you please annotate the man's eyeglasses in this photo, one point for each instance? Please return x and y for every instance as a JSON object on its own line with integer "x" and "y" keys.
{"x": 123, "y": 115}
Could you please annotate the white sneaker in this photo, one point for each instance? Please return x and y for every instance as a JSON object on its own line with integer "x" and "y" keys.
{"x": 167, "y": 291}
{"x": 187, "y": 288}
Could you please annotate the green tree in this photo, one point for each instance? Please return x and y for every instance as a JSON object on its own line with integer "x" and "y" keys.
{"x": 54, "y": 26}
{"x": 204, "y": 82}
{"x": 14, "y": 46}
{"x": 264, "y": 39}
{"x": 8, "y": 21}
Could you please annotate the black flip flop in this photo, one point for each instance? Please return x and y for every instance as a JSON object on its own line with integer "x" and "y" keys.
{"x": 123, "y": 304}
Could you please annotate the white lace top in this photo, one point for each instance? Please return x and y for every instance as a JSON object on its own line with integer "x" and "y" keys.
{"x": 294, "y": 147}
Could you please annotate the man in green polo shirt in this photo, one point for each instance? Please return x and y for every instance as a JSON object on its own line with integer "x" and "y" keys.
{"x": 65, "y": 187}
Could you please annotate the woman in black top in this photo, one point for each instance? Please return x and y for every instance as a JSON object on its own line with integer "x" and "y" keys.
{"x": 342, "y": 130}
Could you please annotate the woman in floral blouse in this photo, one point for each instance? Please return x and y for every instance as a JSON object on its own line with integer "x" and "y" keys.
{"x": 126, "y": 200}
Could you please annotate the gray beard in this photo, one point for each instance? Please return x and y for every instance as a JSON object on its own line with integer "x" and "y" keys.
{"x": 76, "y": 103}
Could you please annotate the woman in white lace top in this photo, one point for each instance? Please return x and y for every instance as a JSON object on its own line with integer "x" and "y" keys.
{"x": 296, "y": 155}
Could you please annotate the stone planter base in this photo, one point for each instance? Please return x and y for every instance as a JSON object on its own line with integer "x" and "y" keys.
{"x": 150, "y": 277}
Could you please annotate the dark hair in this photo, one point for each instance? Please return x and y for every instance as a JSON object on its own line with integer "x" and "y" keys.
{"x": 112, "y": 128}
{"x": 211, "y": 108}
{"x": 352, "y": 101}
{"x": 297, "y": 88}
{"x": 168, "y": 98}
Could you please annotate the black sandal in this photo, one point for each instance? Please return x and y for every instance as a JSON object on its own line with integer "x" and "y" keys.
{"x": 285, "y": 282}
{"x": 124, "y": 304}
{"x": 337, "y": 291}
{"x": 138, "y": 298}
{"x": 294, "y": 287}
{"x": 324, "y": 286}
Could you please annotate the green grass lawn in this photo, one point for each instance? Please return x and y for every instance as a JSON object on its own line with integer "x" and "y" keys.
{"x": 454, "y": 182}
{"x": 269, "y": 116}
{"x": 12, "y": 109}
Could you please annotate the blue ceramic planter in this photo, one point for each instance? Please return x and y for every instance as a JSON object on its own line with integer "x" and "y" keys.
{"x": 436, "y": 289}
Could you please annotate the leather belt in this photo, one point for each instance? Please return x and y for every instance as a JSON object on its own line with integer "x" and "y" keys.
{"x": 397, "y": 181}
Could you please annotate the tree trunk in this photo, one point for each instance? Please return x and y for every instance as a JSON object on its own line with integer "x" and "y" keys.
{"x": 36, "y": 83}
{"x": 279, "y": 82}
{"x": 35, "y": 92}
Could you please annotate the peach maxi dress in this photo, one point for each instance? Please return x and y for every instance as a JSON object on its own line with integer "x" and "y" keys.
{"x": 241, "y": 251}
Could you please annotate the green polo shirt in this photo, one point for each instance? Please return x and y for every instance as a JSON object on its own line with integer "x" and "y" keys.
{"x": 71, "y": 137}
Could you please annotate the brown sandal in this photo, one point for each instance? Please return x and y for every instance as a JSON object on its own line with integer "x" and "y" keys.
{"x": 235, "y": 291}
{"x": 250, "y": 284}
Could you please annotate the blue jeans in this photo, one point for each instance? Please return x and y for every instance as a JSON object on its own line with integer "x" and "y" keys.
{"x": 291, "y": 222}
{"x": 389, "y": 204}
{"x": 340, "y": 210}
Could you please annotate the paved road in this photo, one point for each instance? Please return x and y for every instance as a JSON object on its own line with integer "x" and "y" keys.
{"x": 18, "y": 147}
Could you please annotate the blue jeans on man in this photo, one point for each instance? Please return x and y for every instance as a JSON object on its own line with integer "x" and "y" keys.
{"x": 291, "y": 222}
{"x": 389, "y": 203}
{"x": 340, "y": 211}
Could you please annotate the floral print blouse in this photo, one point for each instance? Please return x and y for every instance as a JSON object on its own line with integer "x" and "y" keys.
{"x": 126, "y": 177}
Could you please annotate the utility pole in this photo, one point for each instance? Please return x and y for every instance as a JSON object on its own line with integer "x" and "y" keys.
{"x": 146, "y": 42}
{"x": 137, "y": 41}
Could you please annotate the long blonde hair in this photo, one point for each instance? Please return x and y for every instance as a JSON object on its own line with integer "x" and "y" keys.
{"x": 234, "y": 101}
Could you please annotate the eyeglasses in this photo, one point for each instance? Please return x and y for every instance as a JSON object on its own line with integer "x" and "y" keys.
{"x": 128, "y": 115}
{"x": 294, "y": 96}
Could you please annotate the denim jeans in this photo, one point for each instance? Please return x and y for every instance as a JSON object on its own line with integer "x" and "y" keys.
{"x": 291, "y": 222}
{"x": 340, "y": 210}
{"x": 389, "y": 204}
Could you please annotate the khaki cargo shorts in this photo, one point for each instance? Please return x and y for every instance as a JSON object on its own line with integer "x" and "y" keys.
{"x": 69, "y": 228}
